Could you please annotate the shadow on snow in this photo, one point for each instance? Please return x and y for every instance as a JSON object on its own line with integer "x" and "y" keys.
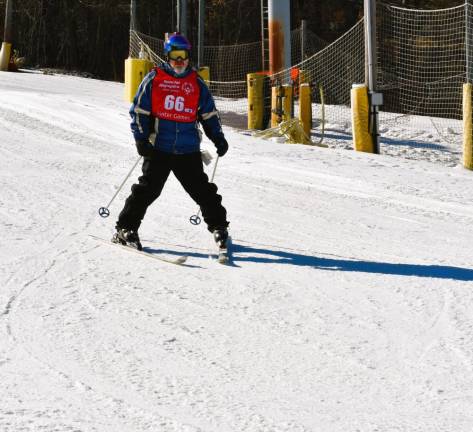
{"x": 243, "y": 253}
{"x": 266, "y": 254}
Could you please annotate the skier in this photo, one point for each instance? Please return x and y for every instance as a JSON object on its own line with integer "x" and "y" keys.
{"x": 170, "y": 102}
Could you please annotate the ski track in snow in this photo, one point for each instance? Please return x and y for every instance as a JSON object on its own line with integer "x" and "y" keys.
{"x": 348, "y": 306}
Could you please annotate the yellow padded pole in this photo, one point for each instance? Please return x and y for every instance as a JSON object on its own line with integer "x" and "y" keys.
{"x": 135, "y": 71}
{"x": 281, "y": 104}
{"x": 204, "y": 73}
{"x": 467, "y": 127}
{"x": 255, "y": 100}
{"x": 303, "y": 76}
{"x": 5, "y": 54}
{"x": 305, "y": 107}
{"x": 362, "y": 139}
{"x": 276, "y": 105}
{"x": 287, "y": 102}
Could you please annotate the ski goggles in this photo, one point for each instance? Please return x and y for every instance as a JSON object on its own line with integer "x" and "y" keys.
{"x": 178, "y": 55}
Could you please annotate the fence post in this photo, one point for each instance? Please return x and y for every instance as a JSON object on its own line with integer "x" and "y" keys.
{"x": 287, "y": 106}
{"x": 133, "y": 21}
{"x": 371, "y": 68}
{"x": 200, "y": 51}
{"x": 305, "y": 107}
{"x": 468, "y": 42}
{"x": 276, "y": 104}
{"x": 303, "y": 39}
{"x": 467, "y": 89}
{"x": 362, "y": 139}
{"x": 281, "y": 104}
{"x": 181, "y": 16}
{"x": 467, "y": 127}
{"x": 255, "y": 100}
{"x": 5, "y": 52}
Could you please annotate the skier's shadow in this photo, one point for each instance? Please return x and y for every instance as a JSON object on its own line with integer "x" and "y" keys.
{"x": 242, "y": 253}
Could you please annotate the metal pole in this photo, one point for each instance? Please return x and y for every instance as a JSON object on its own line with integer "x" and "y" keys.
{"x": 133, "y": 26}
{"x": 133, "y": 22}
{"x": 371, "y": 65}
{"x": 370, "y": 26}
{"x": 173, "y": 12}
{"x": 182, "y": 16}
{"x": 195, "y": 219}
{"x": 279, "y": 36}
{"x": 303, "y": 39}
{"x": 104, "y": 211}
{"x": 263, "y": 62}
{"x": 200, "y": 52}
{"x": 8, "y": 21}
{"x": 178, "y": 15}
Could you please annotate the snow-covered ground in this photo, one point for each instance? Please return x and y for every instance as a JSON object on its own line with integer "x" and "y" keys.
{"x": 348, "y": 307}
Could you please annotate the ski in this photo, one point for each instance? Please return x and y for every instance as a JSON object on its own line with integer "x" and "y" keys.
{"x": 223, "y": 253}
{"x": 222, "y": 241}
{"x": 223, "y": 257}
{"x": 177, "y": 261}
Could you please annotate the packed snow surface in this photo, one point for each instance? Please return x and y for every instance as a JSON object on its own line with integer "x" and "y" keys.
{"x": 348, "y": 306}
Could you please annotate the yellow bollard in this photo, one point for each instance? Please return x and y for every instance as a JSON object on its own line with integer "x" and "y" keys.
{"x": 287, "y": 102}
{"x": 305, "y": 107}
{"x": 467, "y": 127}
{"x": 281, "y": 104}
{"x": 5, "y": 54}
{"x": 135, "y": 71}
{"x": 362, "y": 139}
{"x": 255, "y": 100}
{"x": 277, "y": 93}
{"x": 204, "y": 73}
{"x": 303, "y": 76}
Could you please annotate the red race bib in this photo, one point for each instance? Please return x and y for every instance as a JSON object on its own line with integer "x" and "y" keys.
{"x": 175, "y": 99}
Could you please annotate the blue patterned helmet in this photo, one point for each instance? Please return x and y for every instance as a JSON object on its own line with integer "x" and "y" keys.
{"x": 176, "y": 42}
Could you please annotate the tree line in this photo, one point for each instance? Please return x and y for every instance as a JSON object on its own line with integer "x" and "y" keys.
{"x": 92, "y": 36}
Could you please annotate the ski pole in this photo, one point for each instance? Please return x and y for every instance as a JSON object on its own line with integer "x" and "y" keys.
{"x": 195, "y": 219}
{"x": 104, "y": 211}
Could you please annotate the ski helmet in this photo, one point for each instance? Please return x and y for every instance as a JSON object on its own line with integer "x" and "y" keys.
{"x": 176, "y": 41}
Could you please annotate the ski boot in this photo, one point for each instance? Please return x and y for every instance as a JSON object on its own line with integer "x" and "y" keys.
{"x": 128, "y": 238}
{"x": 221, "y": 237}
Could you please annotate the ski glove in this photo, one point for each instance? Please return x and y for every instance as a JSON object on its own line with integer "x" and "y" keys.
{"x": 221, "y": 144}
{"x": 144, "y": 148}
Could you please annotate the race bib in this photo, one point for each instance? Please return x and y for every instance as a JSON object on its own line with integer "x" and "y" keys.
{"x": 175, "y": 99}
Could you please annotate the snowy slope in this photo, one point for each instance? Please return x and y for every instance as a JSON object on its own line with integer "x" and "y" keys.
{"x": 348, "y": 306}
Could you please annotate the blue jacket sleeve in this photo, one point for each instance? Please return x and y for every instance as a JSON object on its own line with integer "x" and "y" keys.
{"x": 208, "y": 114}
{"x": 140, "y": 110}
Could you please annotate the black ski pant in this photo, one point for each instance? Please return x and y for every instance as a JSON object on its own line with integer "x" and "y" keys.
{"x": 189, "y": 170}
